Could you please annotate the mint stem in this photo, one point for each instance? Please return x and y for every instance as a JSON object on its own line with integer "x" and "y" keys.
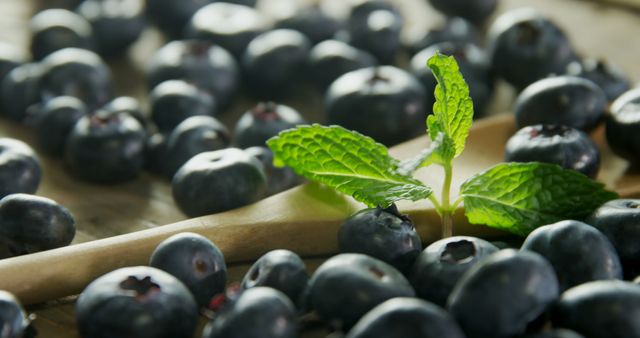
{"x": 447, "y": 210}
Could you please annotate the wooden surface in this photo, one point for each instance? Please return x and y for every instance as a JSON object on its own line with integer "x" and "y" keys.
{"x": 146, "y": 202}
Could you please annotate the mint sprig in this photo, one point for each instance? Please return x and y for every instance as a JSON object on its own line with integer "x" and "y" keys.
{"x": 517, "y": 197}
{"x": 347, "y": 161}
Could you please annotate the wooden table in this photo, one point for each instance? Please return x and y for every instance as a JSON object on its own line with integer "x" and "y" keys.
{"x": 101, "y": 211}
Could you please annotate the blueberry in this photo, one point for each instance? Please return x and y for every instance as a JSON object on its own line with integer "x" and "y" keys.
{"x": 13, "y": 319}
{"x": 473, "y": 64}
{"x": 228, "y": 25}
{"x": 556, "y": 333}
{"x": 406, "y": 317}
{"x": 10, "y": 58}
{"x": 524, "y": 47}
{"x": 282, "y": 270}
{"x": 136, "y": 302}
{"x": 440, "y": 266}
{"x": 565, "y": 100}
{"x": 20, "y": 91}
{"x": 331, "y": 58}
{"x": 55, "y": 29}
{"x": 606, "y": 75}
{"x": 195, "y": 261}
{"x": 578, "y": 252}
{"x": 259, "y": 312}
{"x": 30, "y": 223}
{"x": 313, "y": 22}
{"x": 501, "y": 294}
{"x": 201, "y": 63}
{"x": 476, "y": 11}
{"x": 345, "y": 287}
{"x": 193, "y": 136}
{"x": 384, "y": 234}
{"x": 619, "y": 220}
{"x": 600, "y": 309}
{"x": 129, "y": 105}
{"x": 172, "y": 16}
{"x": 173, "y": 101}
{"x": 116, "y": 24}
{"x": 376, "y": 30}
{"x": 455, "y": 30}
{"x": 54, "y": 121}
{"x": 106, "y": 147}
{"x": 76, "y": 72}
{"x": 567, "y": 147}
{"x": 274, "y": 62}
{"x": 278, "y": 179}
{"x": 263, "y": 121}
{"x": 20, "y": 170}
{"x": 216, "y": 181}
{"x": 622, "y": 127}
{"x": 385, "y": 103}
{"x": 155, "y": 153}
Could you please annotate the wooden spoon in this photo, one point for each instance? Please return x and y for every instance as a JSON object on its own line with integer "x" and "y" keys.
{"x": 304, "y": 219}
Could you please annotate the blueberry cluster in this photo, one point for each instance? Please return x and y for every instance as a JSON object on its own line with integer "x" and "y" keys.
{"x": 565, "y": 280}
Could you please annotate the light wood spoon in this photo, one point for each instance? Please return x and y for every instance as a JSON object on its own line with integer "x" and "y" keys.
{"x": 304, "y": 219}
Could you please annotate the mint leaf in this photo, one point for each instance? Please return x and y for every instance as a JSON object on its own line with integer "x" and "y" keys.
{"x": 519, "y": 197}
{"x": 453, "y": 110}
{"x": 347, "y": 161}
{"x": 439, "y": 151}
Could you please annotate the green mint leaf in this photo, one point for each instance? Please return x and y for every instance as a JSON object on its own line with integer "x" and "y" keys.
{"x": 439, "y": 151}
{"x": 519, "y": 197}
{"x": 453, "y": 110}
{"x": 347, "y": 161}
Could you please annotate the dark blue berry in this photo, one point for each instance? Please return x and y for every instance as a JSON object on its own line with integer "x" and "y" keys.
{"x": 20, "y": 93}
{"x": 20, "y": 170}
{"x": 376, "y": 30}
{"x": 55, "y": 29}
{"x": 476, "y": 11}
{"x": 606, "y": 75}
{"x": 313, "y": 22}
{"x": 455, "y": 30}
{"x": 263, "y": 121}
{"x": 329, "y": 59}
{"x": 622, "y": 127}
{"x": 13, "y": 319}
{"x": 172, "y": 16}
{"x": 173, "y": 101}
{"x": 53, "y": 123}
{"x": 278, "y": 178}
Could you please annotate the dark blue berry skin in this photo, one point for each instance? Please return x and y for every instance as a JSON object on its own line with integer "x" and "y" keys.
{"x": 116, "y": 24}
{"x": 13, "y": 319}
{"x": 259, "y": 312}
{"x": 55, "y": 29}
{"x": 155, "y": 153}
{"x": 262, "y": 122}
{"x": 20, "y": 170}
{"x": 129, "y": 105}
{"x": 173, "y": 101}
{"x": 384, "y": 234}
{"x": 601, "y": 309}
{"x": 217, "y": 181}
{"x": 622, "y": 126}
{"x": 313, "y": 22}
{"x": 567, "y": 147}
{"x": 503, "y": 293}
{"x": 440, "y": 266}
{"x": 201, "y": 63}
{"x": 195, "y": 261}
{"x": 556, "y": 333}
{"x": 10, "y": 58}
{"x": 171, "y": 16}
{"x": 565, "y": 100}
{"x": 274, "y": 63}
{"x": 228, "y": 25}
{"x": 347, "y": 286}
{"x": 376, "y": 31}
{"x": 619, "y": 220}
{"x": 406, "y": 317}
{"x": 136, "y": 302}
{"x": 385, "y": 103}
{"x": 106, "y": 148}
{"x": 30, "y": 223}
{"x": 524, "y": 47}
{"x": 193, "y": 136}
{"x": 476, "y": 11}
{"x": 76, "y": 72}
{"x": 53, "y": 123}
{"x": 606, "y": 75}
{"x": 473, "y": 64}
{"x": 282, "y": 270}
{"x": 578, "y": 252}
{"x": 329, "y": 59}
{"x": 20, "y": 92}
{"x": 455, "y": 30}
{"x": 278, "y": 179}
